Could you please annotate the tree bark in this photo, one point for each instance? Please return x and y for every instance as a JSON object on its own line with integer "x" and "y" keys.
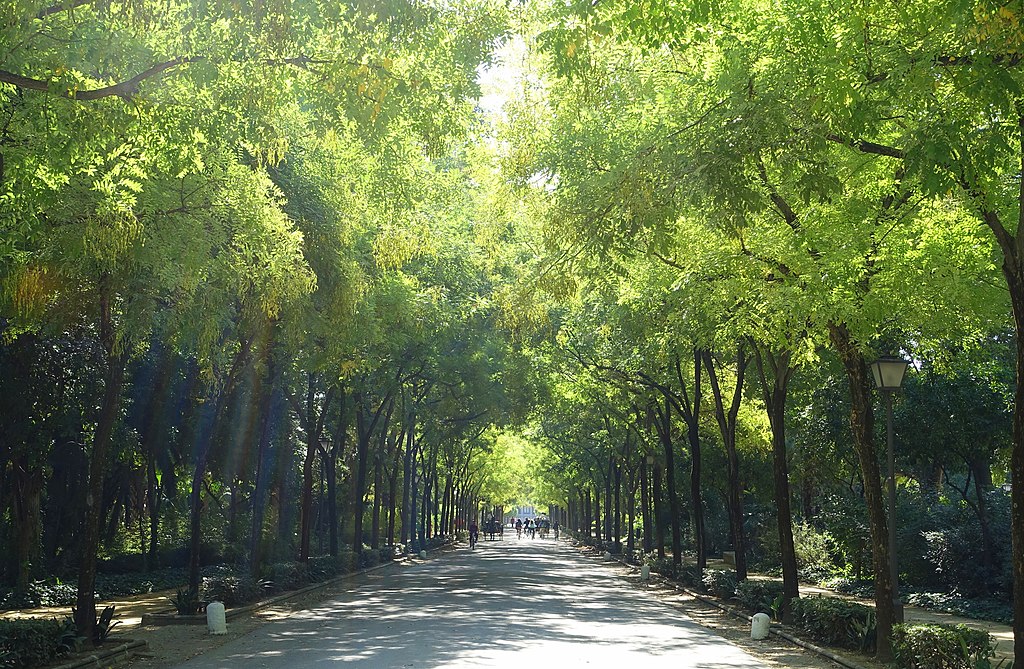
{"x": 862, "y": 427}
{"x": 727, "y": 420}
{"x": 113, "y": 377}
{"x": 663, "y": 424}
{"x": 774, "y": 391}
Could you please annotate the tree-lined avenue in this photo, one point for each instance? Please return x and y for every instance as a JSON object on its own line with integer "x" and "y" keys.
{"x": 507, "y": 604}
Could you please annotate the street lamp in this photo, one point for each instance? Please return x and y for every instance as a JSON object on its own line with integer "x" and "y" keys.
{"x": 888, "y": 372}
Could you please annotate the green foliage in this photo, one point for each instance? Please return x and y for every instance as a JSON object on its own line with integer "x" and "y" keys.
{"x": 186, "y": 602}
{"x": 759, "y": 595}
{"x": 347, "y": 560}
{"x": 978, "y": 608}
{"x": 288, "y": 575}
{"x": 369, "y": 558}
{"x": 234, "y": 590}
{"x": 835, "y": 621}
{"x": 926, "y": 646}
{"x": 720, "y": 582}
{"x": 35, "y": 642}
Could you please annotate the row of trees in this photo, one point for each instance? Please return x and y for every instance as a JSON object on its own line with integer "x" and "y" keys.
{"x": 239, "y": 257}
{"x": 741, "y": 190}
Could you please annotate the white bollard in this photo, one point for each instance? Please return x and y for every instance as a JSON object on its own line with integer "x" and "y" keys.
{"x": 607, "y": 555}
{"x": 423, "y": 555}
{"x": 645, "y": 572}
{"x": 759, "y": 626}
{"x": 216, "y": 620}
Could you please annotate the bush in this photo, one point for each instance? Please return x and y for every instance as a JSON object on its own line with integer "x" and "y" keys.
{"x": 322, "y": 567}
{"x": 289, "y": 575}
{"x": 836, "y": 621}
{"x": 347, "y": 561}
{"x": 387, "y": 554}
{"x": 663, "y": 566}
{"x": 760, "y": 596}
{"x": 233, "y": 590}
{"x": 720, "y": 583}
{"x": 186, "y": 602}
{"x": 941, "y": 647}
{"x": 996, "y": 610}
{"x": 368, "y": 558}
{"x": 34, "y": 642}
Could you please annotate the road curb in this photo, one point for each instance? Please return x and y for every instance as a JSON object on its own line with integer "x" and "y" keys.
{"x": 161, "y": 619}
{"x": 107, "y": 658}
{"x": 824, "y": 652}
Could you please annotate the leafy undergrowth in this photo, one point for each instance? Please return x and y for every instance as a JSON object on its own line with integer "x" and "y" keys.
{"x": 976, "y": 608}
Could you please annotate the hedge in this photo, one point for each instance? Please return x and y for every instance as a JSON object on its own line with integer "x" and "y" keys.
{"x": 836, "y": 621}
{"x": 927, "y": 646}
{"x": 32, "y": 642}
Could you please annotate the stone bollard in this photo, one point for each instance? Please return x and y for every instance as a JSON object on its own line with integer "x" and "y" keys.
{"x": 216, "y": 620}
{"x": 423, "y": 555}
{"x": 645, "y": 572}
{"x": 759, "y": 626}
{"x": 607, "y": 555}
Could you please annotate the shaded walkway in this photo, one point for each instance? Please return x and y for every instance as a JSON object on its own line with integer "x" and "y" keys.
{"x": 507, "y": 604}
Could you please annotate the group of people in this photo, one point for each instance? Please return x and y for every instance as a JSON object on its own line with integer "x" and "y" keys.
{"x": 532, "y": 527}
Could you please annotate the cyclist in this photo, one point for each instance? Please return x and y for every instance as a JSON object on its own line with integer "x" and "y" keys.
{"x": 519, "y": 528}
{"x": 474, "y": 533}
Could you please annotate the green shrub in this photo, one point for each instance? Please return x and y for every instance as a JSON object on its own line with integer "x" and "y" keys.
{"x": 940, "y": 647}
{"x": 32, "y": 642}
{"x": 387, "y": 554}
{"x": 663, "y": 566}
{"x": 289, "y": 575}
{"x": 760, "y": 596}
{"x": 186, "y": 602}
{"x": 322, "y": 567}
{"x": 347, "y": 561}
{"x": 836, "y": 621}
{"x": 233, "y": 590}
{"x": 720, "y": 582}
{"x": 687, "y": 575}
{"x": 368, "y": 558}
{"x": 984, "y": 608}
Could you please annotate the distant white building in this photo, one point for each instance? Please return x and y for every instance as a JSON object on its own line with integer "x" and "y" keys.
{"x": 523, "y": 512}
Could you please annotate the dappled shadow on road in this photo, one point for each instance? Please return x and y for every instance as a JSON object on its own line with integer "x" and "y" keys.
{"x": 507, "y": 604}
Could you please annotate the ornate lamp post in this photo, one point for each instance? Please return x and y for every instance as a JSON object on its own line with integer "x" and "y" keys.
{"x": 888, "y": 372}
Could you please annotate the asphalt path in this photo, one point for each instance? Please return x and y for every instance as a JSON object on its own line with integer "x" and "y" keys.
{"x": 507, "y": 604}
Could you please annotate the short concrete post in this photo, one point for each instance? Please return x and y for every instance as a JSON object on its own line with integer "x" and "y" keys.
{"x": 423, "y": 555}
{"x": 216, "y": 620}
{"x": 645, "y": 572}
{"x": 759, "y": 626}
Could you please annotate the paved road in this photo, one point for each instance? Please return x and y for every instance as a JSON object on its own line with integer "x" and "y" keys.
{"x": 508, "y": 604}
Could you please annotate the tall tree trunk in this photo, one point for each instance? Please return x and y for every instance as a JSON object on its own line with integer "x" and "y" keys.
{"x": 609, "y": 475}
{"x": 645, "y": 505}
{"x": 113, "y": 377}
{"x": 775, "y": 389}
{"x": 378, "y": 499}
{"x": 862, "y": 427}
{"x": 663, "y": 425}
{"x": 408, "y": 501}
{"x": 618, "y": 508}
{"x": 26, "y": 505}
{"x": 691, "y": 415}
{"x": 312, "y": 445}
{"x": 211, "y": 420}
{"x": 151, "y": 437}
{"x": 659, "y": 521}
{"x": 727, "y": 420}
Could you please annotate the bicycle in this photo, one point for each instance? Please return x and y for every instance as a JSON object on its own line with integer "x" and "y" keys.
{"x": 473, "y": 537}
